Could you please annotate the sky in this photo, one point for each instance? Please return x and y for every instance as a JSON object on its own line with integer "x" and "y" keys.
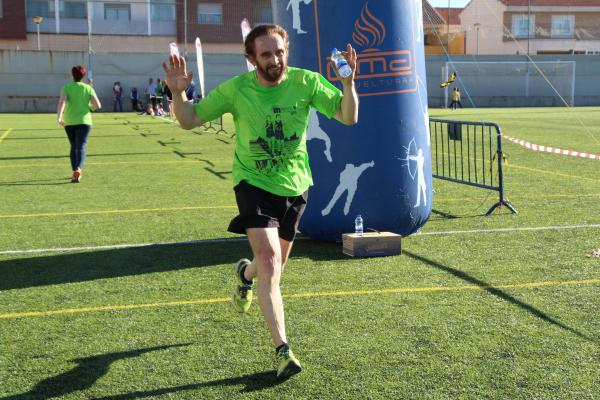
{"x": 444, "y": 3}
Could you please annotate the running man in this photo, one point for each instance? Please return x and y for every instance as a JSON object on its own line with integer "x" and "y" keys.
{"x": 271, "y": 174}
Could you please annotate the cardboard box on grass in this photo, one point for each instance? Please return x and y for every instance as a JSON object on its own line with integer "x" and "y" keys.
{"x": 371, "y": 244}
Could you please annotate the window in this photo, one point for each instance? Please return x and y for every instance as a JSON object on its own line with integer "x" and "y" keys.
{"x": 263, "y": 12}
{"x": 73, "y": 9}
{"x": 42, "y": 8}
{"x": 163, "y": 10}
{"x": 563, "y": 26}
{"x": 120, "y": 12}
{"x": 210, "y": 13}
{"x": 521, "y": 24}
{"x": 1, "y": 9}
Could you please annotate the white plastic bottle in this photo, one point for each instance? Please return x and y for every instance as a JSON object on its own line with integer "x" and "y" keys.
{"x": 340, "y": 62}
{"x": 358, "y": 225}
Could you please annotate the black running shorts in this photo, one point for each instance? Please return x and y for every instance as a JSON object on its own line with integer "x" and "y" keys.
{"x": 261, "y": 209}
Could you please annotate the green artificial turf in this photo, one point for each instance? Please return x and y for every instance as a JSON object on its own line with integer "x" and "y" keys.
{"x": 499, "y": 307}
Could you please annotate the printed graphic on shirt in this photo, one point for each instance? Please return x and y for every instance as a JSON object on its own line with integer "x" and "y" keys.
{"x": 271, "y": 154}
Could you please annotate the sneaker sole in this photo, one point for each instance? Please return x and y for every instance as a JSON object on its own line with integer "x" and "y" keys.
{"x": 236, "y": 270}
{"x": 290, "y": 370}
{"x": 237, "y": 266}
{"x": 236, "y": 308}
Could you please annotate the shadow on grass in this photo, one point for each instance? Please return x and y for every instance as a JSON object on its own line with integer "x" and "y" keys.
{"x": 63, "y": 137}
{"x": 498, "y": 293}
{"x": 251, "y": 382}
{"x": 78, "y": 267}
{"x": 439, "y": 216}
{"x": 444, "y": 215}
{"x": 38, "y": 182}
{"x": 89, "y": 156}
{"x": 83, "y": 376}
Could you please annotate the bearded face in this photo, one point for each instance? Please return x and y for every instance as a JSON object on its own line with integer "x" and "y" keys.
{"x": 272, "y": 71}
{"x": 270, "y": 59}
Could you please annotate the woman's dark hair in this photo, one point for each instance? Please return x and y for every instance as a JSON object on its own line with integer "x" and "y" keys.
{"x": 78, "y": 73}
{"x": 262, "y": 30}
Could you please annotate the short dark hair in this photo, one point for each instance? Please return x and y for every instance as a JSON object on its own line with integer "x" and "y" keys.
{"x": 78, "y": 73}
{"x": 262, "y": 30}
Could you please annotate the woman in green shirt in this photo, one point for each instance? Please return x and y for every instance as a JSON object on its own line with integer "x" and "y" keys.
{"x": 76, "y": 100}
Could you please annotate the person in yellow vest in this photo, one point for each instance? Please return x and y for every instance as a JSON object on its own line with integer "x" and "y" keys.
{"x": 455, "y": 99}
{"x": 77, "y": 99}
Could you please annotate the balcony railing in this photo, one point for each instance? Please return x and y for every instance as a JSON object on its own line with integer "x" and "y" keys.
{"x": 105, "y": 27}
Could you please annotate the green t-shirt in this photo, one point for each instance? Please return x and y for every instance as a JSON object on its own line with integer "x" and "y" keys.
{"x": 77, "y": 107}
{"x": 270, "y": 125}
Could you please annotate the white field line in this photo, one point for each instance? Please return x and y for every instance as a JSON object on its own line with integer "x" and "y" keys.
{"x": 165, "y": 119}
{"x": 533, "y": 228}
{"x": 239, "y": 239}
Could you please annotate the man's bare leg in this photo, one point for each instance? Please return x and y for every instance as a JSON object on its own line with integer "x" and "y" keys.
{"x": 267, "y": 267}
{"x": 286, "y": 249}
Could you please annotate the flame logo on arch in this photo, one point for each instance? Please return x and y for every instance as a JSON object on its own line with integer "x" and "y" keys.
{"x": 368, "y": 30}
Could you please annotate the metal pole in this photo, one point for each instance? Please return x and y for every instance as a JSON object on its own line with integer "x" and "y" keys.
{"x": 574, "y": 64}
{"x": 528, "y": 24}
{"x": 185, "y": 24}
{"x": 448, "y": 29}
{"x": 477, "y": 25}
{"x": 89, "y": 26}
{"x": 37, "y": 20}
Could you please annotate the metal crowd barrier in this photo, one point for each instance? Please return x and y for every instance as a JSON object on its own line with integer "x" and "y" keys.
{"x": 469, "y": 153}
{"x": 211, "y": 125}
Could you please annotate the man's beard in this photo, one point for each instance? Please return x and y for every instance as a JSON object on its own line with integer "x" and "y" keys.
{"x": 271, "y": 73}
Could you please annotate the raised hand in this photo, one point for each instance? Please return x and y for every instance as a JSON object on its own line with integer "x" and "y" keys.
{"x": 350, "y": 56}
{"x": 176, "y": 75}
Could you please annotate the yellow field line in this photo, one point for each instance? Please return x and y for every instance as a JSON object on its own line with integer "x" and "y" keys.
{"x": 513, "y": 165}
{"x": 5, "y": 134}
{"x": 26, "y": 314}
{"x": 135, "y": 210}
{"x": 554, "y": 173}
{"x": 220, "y": 162}
{"x": 518, "y": 197}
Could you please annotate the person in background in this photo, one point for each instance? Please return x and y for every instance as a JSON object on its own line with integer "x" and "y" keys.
{"x": 190, "y": 92}
{"x": 151, "y": 93}
{"x": 135, "y": 100}
{"x": 159, "y": 93}
{"x": 117, "y": 97}
{"x": 166, "y": 99}
{"x": 271, "y": 172}
{"x": 73, "y": 113}
{"x": 149, "y": 109}
{"x": 455, "y": 99}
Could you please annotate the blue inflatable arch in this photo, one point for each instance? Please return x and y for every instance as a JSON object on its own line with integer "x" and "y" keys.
{"x": 381, "y": 167}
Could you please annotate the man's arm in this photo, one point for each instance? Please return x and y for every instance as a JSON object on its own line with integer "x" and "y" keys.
{"x": 178, "y": 79}
{"x": 184, "y": 111}
{"x": 348, "y": 112}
